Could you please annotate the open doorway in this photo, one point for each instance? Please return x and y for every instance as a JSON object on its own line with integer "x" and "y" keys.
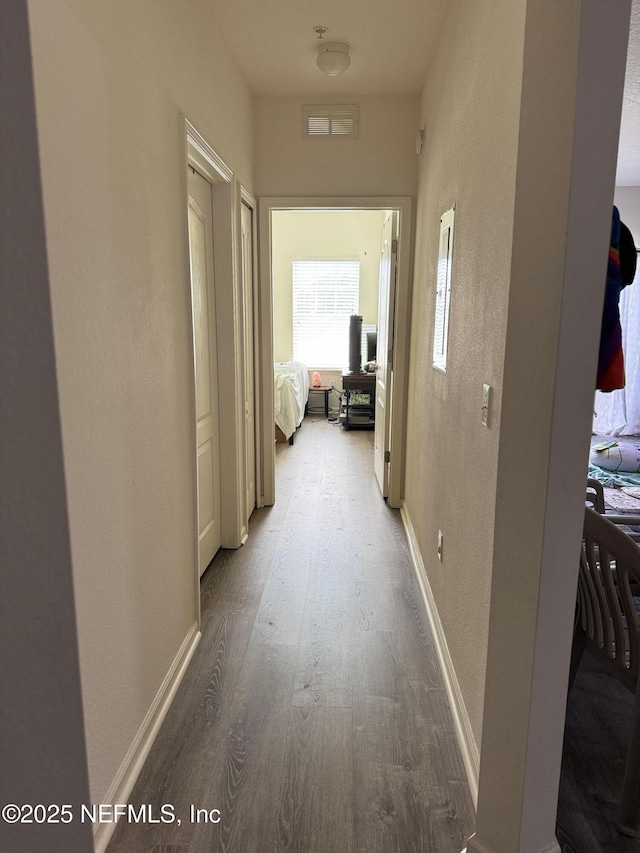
{"x": 300, "y": 233}
{"x": 325, "y": 269}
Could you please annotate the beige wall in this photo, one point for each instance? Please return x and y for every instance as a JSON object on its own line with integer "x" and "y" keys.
{"x": 573, "y": 76}
{"x": 42, "y": 734}
{"x": 469, "y": 161}
{"x": 353, "y": 235}
{"x": 382, "y": 161}
{"x": 111, "y": 82}
{"x": 513, "y": 110}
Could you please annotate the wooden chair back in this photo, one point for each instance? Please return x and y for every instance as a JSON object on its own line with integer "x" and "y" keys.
{"x": 607, "y": 622}
{"x": 609, "y": 567}
{"x": 595, "y": 494}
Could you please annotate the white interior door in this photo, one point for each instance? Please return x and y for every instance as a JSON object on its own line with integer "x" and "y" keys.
{"x": 249, "y": 373}
{"x": 384, "y": 358}
{"x": 206, "y": 367}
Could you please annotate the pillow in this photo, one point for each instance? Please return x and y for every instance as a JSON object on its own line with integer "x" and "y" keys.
{"x": 620, "y": 456}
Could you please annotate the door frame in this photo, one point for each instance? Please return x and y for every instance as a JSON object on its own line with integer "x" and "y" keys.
{"x": 382, "y": 428}
{"x": 247, "y": 199}
{"x": 404, "y": 207}
{"x": 226, "y": 194}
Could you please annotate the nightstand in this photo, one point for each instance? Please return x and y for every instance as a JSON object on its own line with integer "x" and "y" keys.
{"x": 358, "y": 400}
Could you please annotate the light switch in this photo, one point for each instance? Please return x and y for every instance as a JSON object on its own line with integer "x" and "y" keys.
{"x": 485, "y": 404}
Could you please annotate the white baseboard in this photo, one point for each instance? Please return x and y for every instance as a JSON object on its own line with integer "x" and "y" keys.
{"x": 464, "y": 733}
{"x": 475, "y": 846}
{"x": 130, "y": 768}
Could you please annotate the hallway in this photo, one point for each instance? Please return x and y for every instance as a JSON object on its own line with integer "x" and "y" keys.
{"x": 313, "y": 715}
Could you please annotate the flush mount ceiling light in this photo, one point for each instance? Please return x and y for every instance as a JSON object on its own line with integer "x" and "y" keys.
{"x": 333, "y": 56}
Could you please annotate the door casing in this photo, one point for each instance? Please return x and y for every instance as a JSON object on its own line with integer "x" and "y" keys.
{"x": 385, "y": 349}
{"x": 402, "y": 205}
{"x": 226, "y": 217}
{"x": 250, "y": 349}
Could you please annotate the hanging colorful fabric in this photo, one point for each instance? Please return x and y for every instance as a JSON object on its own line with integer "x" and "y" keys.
{"x": 610, "y": 357}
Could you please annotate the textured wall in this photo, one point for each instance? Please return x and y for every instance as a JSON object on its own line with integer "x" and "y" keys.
{"x": 521, "y": 109}
{"x": 573, "y": 75}
{"x": 382, "y": 161}
{"x": 111, "y": 82}
{"x": 470, "y": 111}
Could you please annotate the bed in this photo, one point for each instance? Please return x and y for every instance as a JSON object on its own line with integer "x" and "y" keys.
{"x": 290, "y": 395}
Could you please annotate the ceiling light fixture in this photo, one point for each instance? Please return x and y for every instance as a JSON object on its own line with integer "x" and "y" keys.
{"x": 333, "y": 56}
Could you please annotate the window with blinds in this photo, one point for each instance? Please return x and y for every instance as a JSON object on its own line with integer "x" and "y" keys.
{"x": 325, "y": 295}
{"x": 443, "y": 291}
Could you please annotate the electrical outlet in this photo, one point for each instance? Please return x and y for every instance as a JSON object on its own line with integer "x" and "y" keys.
{"x": 440, "y": 542}
{"x": 485, "y": 404}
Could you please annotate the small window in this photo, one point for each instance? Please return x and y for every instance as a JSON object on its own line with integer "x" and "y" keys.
{"x": 330, "y": 120}
{"x": 443, "y": 291}
{"x": 325, "y": 295}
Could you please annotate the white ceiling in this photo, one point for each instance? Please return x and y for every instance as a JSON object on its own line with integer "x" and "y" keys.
{"x": 275, "y": 45}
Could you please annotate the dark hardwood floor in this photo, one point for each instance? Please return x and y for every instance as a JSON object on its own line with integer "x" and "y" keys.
{"x": 313, "y": 714}
{"x": 598, "y": 724}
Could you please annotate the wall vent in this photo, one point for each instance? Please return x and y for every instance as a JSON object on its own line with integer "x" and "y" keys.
{"x": 330, "y": 120}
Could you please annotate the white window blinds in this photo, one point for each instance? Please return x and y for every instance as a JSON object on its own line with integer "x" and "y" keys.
{"x": 443, "y": 291}
{"x": 325, "y": 295}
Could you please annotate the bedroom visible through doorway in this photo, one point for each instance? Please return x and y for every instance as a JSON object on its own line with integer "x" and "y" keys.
{"x": 324, "y": 264}
{"x": 325, "y": 269}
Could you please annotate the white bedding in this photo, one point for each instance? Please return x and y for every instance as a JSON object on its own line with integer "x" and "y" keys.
{"x": 290, "y": 392}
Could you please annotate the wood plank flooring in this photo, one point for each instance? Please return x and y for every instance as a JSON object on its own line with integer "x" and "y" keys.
{"x": 597, "y": 729}
{"x": 313, "y": 714}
